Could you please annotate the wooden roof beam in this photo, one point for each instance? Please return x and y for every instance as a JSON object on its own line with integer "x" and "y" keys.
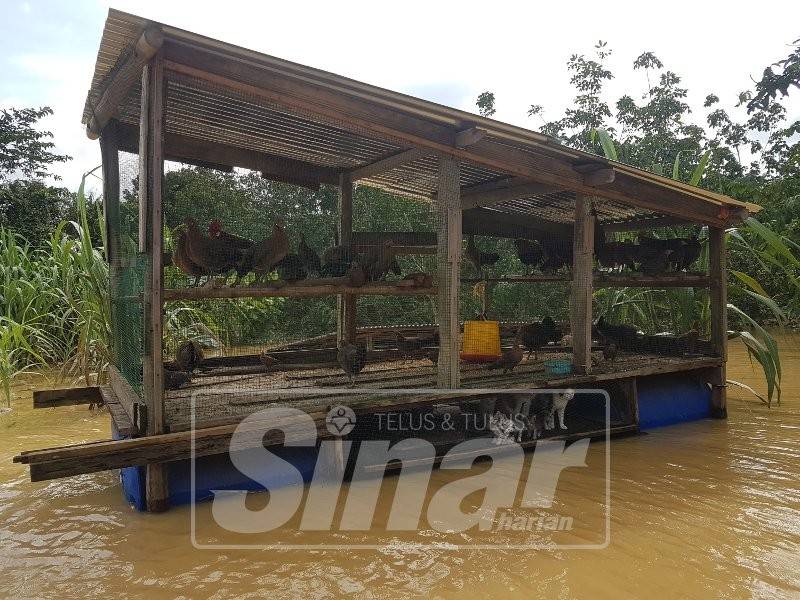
{"x": 387, "y": 163}
{"x": 122, "y": 79}
{"x": 503, "y": 191}
{"x": 644, "y": 223}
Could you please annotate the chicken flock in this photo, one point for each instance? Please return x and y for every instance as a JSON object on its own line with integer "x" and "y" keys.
{"x": 220, "y": 253}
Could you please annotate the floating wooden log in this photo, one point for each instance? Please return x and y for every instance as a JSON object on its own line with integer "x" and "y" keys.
{"x": 66, "y": 397}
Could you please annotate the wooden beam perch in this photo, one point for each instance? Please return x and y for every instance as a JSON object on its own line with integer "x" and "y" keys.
{"x": 122, "y": 79}
{"x": 503, "y": 192}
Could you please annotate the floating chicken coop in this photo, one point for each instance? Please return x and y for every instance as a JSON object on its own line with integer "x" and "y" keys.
{"x": 383, "y": 242}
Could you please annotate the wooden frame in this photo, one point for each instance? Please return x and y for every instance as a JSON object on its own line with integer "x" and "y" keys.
{"x": 151, "y": 169}
{"x": 582, "y": 285}
{"x": 717, "y": 259}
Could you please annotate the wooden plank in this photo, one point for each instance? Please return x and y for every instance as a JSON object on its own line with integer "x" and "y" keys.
{"x": 122, "y": 79}
{"x": 361, "y": 115}
{"x": 505, "y": 193}
{"x": 300, "y": 289}
{"x": 484, "y": 221}
{"x": 599, "y": 177}
{"x": 469, "y": 136}
{"x": 581, "y": 296}
{"x": 448, "y": 260}
{"x": 718, "y": 271}
{"x": 644, "y": 224}
{"x": 122, "y": 422}
{"x": 387, "y": 163}
{"x": 66, "y": 397}
{"x": 346, "y": 302}
{"x": 125, "y": 394}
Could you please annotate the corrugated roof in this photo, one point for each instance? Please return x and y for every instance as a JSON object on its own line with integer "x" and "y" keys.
{"x": 210, "y": 109}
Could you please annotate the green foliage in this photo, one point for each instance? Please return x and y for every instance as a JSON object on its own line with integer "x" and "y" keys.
{"x": 24, "y": 149}
{"x": 33, "y": 209}
{"x": 485, "y": 104}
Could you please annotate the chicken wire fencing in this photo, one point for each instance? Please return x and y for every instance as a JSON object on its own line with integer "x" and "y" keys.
{"x": 129, "y": 270}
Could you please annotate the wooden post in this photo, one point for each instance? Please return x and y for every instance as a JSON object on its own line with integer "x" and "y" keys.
{"x": 346, "y": 303}
{"x": 448, "y": 259}
{"x": 109, "y": 153}
{"x": 151, "y": 163}
{"x": 718, "y": 272}
{"x": 581, "y": 309}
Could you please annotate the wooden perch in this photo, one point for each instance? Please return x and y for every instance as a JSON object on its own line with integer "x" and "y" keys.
{"x": 299, "y": 289}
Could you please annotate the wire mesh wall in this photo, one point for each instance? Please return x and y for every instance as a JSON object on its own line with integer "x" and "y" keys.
{"x": 128, "y": 273}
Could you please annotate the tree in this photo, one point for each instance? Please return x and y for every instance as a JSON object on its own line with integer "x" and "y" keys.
{"x": 25, "y": 150}
{"x": 33, "y": 209}
{"x": 485, "y": 104}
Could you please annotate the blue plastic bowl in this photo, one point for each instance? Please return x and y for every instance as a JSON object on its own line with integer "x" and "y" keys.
{"x": 557, "y": 367}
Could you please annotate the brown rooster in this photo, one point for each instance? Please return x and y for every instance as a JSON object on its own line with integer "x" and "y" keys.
{"x": 377, "y": 261}
{"x": 216, "y": 231}
{"x": 509, "y": 359}
{"x": 262, "y": 257}
{"x": 214, "y": 255}
{"x": 180, "y": 257}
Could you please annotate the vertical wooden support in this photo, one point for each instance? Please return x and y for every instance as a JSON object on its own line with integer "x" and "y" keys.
{"x": 718, "y": 272}
{"x": 448, "y": 259}
{"x": 151, "y": 163}
{"x": 581, "y": 305}
{"x": 109, "y": 152}
{"x": 346, "y": 303}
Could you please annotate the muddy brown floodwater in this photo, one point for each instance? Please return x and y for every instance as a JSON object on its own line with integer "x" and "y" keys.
{"x": 701, "y": 510}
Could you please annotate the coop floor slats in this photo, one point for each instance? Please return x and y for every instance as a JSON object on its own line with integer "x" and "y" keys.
{"x": 228, "y": 399}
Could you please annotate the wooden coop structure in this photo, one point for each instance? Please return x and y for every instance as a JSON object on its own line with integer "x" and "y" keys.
{"x": 165, "y": 94}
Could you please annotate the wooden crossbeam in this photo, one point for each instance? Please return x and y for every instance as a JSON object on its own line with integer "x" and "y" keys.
{"x": 122, "y": 79}
{"x": 469, "y": 136}
{"x": 509, "y": 189}
{"x": 301, "y": 289}
{"x": 386, "y": 163}
{"x": 644, "y": 224}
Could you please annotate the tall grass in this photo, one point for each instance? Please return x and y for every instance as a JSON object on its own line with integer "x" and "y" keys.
{"x": 55, "y": 305}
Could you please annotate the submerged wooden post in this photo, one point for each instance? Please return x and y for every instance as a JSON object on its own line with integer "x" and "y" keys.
{"x": 718, "y": 272}
{"x": 448, "y": 259}
{"x": 581, "y": 305}
{"x": 151, "y": 171}
{"x": 346, "y": 303}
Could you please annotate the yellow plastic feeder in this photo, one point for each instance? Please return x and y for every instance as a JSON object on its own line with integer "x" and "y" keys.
{"x": 481, "y": 341}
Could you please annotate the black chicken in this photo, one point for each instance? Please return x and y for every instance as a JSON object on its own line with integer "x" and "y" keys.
{"x": 479, "y": 258}
{"x": 291, "y": 268}
{"x": 352, "y": 359}
{"x": 336, "y": 261}
{"x": 529, "y": 252}
{"x": 309, "y": 256}
{"x": 536, "y": 335}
